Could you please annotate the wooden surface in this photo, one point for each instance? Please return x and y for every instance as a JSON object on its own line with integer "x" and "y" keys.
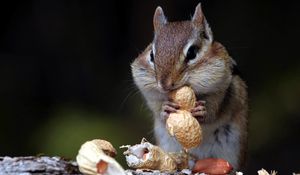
{"x": 34, "y": 165}
{"x": 53, "y": 165}
{"x": 137, "y": 172}
{"x": 37, "y": 165}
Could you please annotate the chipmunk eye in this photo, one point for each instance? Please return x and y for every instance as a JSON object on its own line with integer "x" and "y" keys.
{"x": 151, "y": 56}
{"x": 191, "y": 53}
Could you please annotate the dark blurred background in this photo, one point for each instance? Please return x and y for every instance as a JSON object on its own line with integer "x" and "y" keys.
{"x": 65, "y": 73}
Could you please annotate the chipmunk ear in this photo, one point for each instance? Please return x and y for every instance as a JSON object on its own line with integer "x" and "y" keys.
{"x": 198, "y": 16}
{"x": 200, "y": 23}
{"x": 159, "y": 18}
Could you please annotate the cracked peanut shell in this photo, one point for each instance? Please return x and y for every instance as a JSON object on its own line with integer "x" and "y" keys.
{"x": 151, "y": 157}
{"x": 94, "y": 158}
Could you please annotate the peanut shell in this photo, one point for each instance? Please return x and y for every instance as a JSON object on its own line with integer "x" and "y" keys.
{"x": 151, "y": 157}
{"x": 184, "y": 97}
{"x": 94, "y": 158}
{"x": 185, "y": 128}
{"x": 106, "y": 147}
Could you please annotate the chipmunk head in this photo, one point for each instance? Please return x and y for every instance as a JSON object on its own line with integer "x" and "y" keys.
{"x": 182, "y": 53}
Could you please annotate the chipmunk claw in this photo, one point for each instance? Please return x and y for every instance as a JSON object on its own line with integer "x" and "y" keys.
{"x": 199, "y": 111}
{"x": 167, "y": 108}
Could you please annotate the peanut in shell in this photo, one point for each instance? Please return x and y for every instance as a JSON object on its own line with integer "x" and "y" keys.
{"x": 184, "y": 97}
{"x": 182, "y": 125}
{"x": 185, "y": 128}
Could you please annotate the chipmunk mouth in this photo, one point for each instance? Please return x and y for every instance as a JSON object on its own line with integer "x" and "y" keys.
{"x": 166, "y": 91}
{"x": 170, "y": 87}
{"x": 166, "y": 84}
{"x": 161, "y": 89}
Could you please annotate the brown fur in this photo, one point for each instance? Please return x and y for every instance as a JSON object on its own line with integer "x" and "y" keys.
{"x": 169, "y": 42}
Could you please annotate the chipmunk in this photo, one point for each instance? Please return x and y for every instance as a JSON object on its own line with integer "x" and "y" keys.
{"x": 184, "y": 53}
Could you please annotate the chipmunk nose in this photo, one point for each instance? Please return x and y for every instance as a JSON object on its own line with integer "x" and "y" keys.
{"x": 166, "y": 84}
